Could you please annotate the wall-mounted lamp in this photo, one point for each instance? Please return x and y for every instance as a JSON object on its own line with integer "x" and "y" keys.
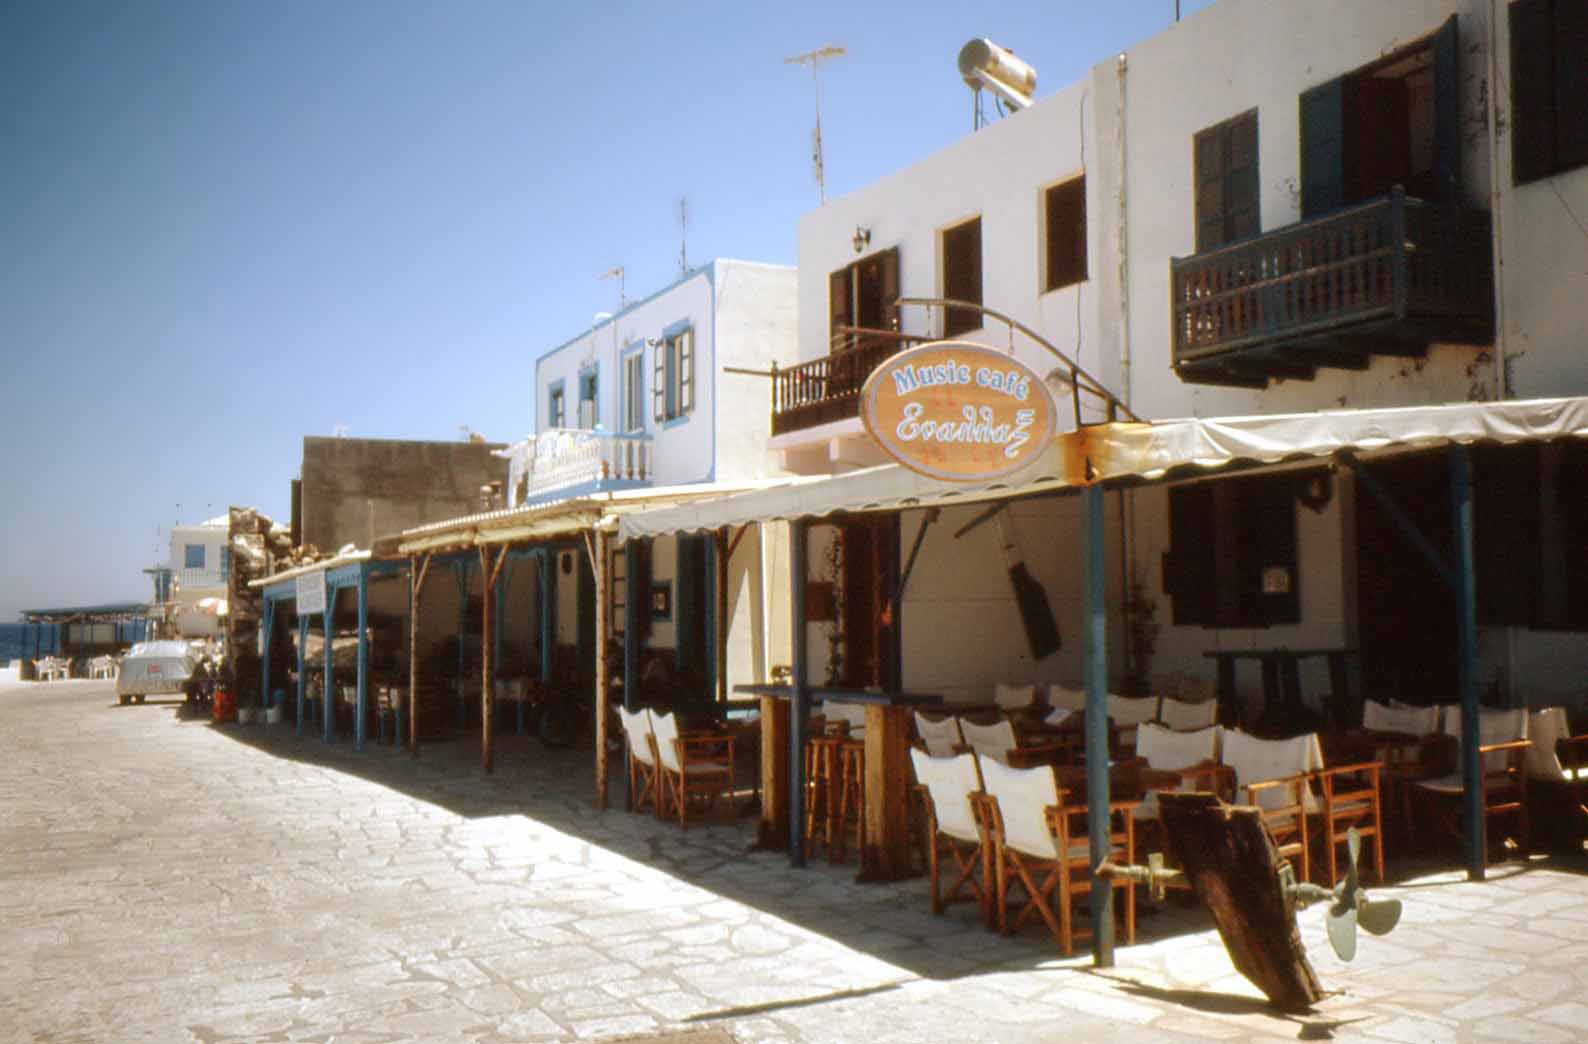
{"x": 862, "y": 238}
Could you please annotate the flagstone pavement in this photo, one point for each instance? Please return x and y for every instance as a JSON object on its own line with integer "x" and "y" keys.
{"x": 164, "y": 879}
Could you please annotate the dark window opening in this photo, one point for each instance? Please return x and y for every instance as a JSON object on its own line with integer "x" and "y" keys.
{"x": 864, "y": 295}
{"x": 1392, "y": 123}
{"x": 1549, "y": 87}
{"x": 1064, "y": 208}
{"x": 1232, "y": 558}
{"x": 1226, "y": 182}
{"x": 962, "y": 276}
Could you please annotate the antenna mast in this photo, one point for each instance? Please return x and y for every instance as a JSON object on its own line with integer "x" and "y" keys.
{"x": 814, "y": 59}
{"x": 616, "y": 272}
{"x": 683, "y": 236}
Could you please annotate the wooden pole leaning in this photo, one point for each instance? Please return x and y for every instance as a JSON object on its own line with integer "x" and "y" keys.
{"x": 418, "y": 569}
{"x": 490, "y": 569}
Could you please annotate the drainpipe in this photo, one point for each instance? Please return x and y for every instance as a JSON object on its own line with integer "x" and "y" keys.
{"x": 1501, "y": 383}
{"x": 1122, "y": 250}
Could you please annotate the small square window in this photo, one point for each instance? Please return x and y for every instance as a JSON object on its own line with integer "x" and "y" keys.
{"x": 1064, "y": 226}
{"x": 193, "y": 556}
{"x": 962, "y": 276}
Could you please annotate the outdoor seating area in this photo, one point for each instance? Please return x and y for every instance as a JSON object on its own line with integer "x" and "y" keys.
{"x": 52, "y": 668}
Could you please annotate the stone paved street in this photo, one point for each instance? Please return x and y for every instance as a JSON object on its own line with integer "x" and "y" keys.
{"x": 166, "y": 880}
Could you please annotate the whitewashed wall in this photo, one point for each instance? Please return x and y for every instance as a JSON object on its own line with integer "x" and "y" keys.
{"x": 756, "y": 326}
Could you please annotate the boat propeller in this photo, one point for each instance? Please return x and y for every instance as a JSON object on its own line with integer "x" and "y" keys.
{"x": 1349, "y": 906}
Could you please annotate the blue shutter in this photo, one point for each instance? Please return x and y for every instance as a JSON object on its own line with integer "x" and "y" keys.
{"x": 1447, "y": 113}
{"x": 1323, "y": 148}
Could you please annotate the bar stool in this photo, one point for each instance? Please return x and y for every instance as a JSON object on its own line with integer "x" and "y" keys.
{"x": 822, "y": 782}
{"x": 852, "y": 796}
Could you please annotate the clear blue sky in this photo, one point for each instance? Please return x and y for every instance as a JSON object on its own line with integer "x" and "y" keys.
{"x": 224, "y": 226}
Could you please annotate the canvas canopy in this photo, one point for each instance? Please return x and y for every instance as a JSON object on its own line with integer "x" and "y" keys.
{"x": 1136, "y": 452}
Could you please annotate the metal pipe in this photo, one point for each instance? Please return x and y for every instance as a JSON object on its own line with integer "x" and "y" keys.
{"x": 1467, "y": 659}
{"x": 1095, "y": 655}
{"x": 799, "y": 701}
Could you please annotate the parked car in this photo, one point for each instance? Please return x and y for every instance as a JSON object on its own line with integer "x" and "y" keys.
{"x": 151, "y": 668}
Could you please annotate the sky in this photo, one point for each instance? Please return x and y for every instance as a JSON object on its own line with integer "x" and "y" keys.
{"x": 225, "y": 226}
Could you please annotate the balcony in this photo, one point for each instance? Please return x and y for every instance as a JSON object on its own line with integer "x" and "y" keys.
{"x": 1386, "y": 277}
{"x": 570, "y": 461}
{"x": 828, "y": 389}
{"x": 200, "y": 579}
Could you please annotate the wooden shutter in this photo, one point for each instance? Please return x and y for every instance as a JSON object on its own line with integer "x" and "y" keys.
{"x": 1188, "y": 568}
{"x": 1323, "y": 148}
{"x": 1241, "y": 188}
{"x": 659, "y": 383}
{"x": 686, "y": 372}
{"x": 1571, "y": 83}
{"x": 1532, "y": 91}
{"x": 838, "y": 310}
{"x": 1210, "y": 157}
{"x": 1447, "y": 113}
{"x": 962, "y": 275}
{"x": 889, "y": 260}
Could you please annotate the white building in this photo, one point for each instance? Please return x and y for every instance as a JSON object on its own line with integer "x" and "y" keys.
{"x": 200, "y": 561}
{"x": 1326, "y": 176}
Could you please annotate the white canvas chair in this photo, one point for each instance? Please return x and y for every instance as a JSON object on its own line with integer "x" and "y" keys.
{"x": 1014, "y": 697}
{"x": 1192, "y": 756}
{"x": 1275, "y": 776}
{"x": 994, "y": 741}
{"x": 1040, "y": 845}
{"x": 643, "y": 778}
{"x": 1503, "y": 747}
{"x": 850, "y": 714}
{"x": 1559, "y": 761}
{"x": 1129, "y": 712}
{"x": 941, "y": 739}
{"x": 1399, "y": 719}
{"x": 1064, "y": 700}
{"x": 1187, "y": 717}
{"x": 689, "y": 766}
{"x": 954, "y": 827}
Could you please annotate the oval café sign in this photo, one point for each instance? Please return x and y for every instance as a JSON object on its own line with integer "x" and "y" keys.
{"x": 957, "y": 411}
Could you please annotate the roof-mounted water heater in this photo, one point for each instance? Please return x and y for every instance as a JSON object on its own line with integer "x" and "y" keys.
{"x": 983, "y": 63}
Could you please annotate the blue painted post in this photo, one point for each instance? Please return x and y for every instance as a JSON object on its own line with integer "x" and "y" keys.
{"x": 266, "y": 625}
{"x": 799, "y": 702}
{"x": 363, "y": 659}
{"x": 303, "y": 667}
{"x": 1467, "y": 673}
{"x": 1095, "y": 666}
{"x": 548, "y": 610}
{"x": 632, "y": 606}
{"x": 327, "y": 706}
{"x": 461, "y": 573}
{"x": 535, "y": 560}
{"x": 502, "y": 580}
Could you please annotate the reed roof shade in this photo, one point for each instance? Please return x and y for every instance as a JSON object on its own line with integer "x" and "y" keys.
{"x": 1132, "y": 453}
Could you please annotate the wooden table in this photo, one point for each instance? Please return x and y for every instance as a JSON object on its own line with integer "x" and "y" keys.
{"x": 885, "y": 856}
{"x": 772, "y": 832}
{"x": 1281, "y": 677}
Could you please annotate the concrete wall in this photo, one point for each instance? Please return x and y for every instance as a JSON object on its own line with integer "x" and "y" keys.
{"x": 355, "y": 490}
{"x": 742, "y": 315}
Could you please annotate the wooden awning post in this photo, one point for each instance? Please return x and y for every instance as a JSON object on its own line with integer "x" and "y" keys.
{"x": 799, "y": 701}
{"x": 418, "y": 569}
{"x": 490, "y": 569}
{"x": 460, "y": 573}
{"x": 266, "y": 626}
{"x": 327, "y": 703}
{"x": 1095, "y": 667}
{"x": 603, "y": 695}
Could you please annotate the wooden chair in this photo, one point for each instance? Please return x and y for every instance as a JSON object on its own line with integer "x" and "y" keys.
{"x": 940, "y": 739}
{"x": 1503, "y": 747}
{"x": 1275, "y": 776}
{"x": 955, "y": 827}
{"x": 1040, "y": 843}
{"x": 1557, "y": 761}
{"x": 1400, "y": 737}
{"x": 1128, "y": 713}
{"x": 999, "y": 742}
{"x": 1352, "y": 801}
{"x": 644, "y": 780}
{"x": 698, "y": 765}
{"x": 1015, "y": 699}
{"x": 1179, "y": 761}
{"x": 1187, "y": 717}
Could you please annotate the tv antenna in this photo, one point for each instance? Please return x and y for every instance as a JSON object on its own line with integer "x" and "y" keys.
{"x": 683, "y": 236}
{"x": 616, "y": 272}
{"x": 814, "y": 59}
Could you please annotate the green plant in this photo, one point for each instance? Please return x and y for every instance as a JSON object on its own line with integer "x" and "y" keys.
{"x": 1140, "y": 610}
{"x": 834, "y": 561}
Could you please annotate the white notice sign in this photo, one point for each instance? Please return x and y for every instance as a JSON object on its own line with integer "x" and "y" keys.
{"x": 311, "y": 592}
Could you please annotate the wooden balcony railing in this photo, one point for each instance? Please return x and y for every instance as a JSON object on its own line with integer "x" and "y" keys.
{"x": 1331, "y": 291}
{"x": 828, "y": 389}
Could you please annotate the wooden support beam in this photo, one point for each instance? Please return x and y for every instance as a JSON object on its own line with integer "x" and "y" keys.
{"x": 490, "y": 569}
{"x": 720, "y": 638}
{"x": 603, "y": 623}
{"x": 418, "y": 569}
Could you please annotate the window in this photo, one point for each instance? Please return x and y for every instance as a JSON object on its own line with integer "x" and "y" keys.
{"x": 193, "y": 556}
{"x": 865, "y": 296}
{"x": 674, "y": 391}
{"x": 589, "y": 411}
{"x": 1549, "y": 88}
{"x": 1393, "y": 123}
{"x": 962, "y": 276}
{"x": 1226, "y": 182}
{"x": 1064, "y": 233}
{"x": 1232, "y": 552}
{"x": 634, "y": 391}
{"x": 556, "y": 415}
{"x": 226, "y": 562}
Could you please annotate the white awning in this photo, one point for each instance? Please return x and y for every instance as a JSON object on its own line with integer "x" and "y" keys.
{"x": 1136, "y": 451}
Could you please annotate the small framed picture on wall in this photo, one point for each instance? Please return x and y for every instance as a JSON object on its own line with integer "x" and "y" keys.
{"x": 662, "y": 601}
